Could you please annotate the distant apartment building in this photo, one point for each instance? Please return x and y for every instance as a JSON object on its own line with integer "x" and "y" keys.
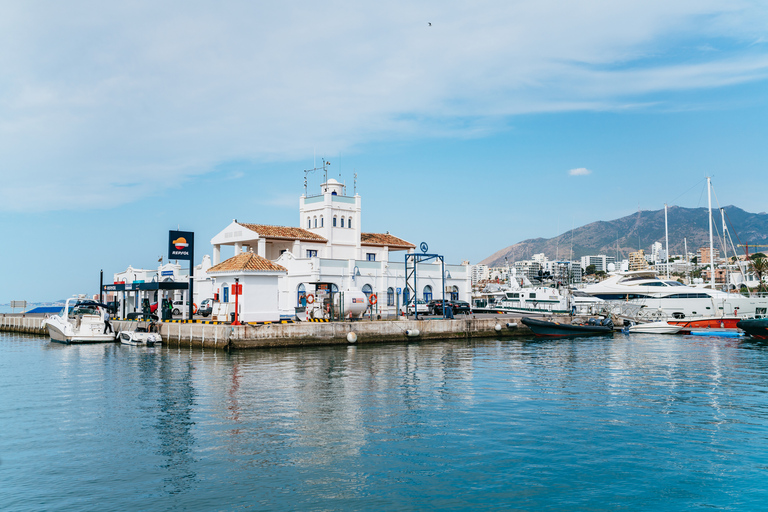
{"x": 480, "y": 273}
{"x": 601, "y": 262}
{"x": 658, "y": 254}
{"x": 637, "y": 261}
{"x": 704, "y": 255}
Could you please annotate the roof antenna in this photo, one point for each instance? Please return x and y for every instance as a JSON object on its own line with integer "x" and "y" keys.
{"x": 355, "y": 186}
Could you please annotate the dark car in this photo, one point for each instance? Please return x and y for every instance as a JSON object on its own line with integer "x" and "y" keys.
{"x": 435, "y": 307}
{"x": 460, "y": 306}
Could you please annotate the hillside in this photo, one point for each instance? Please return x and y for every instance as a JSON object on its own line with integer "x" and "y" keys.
{"x": 640, "y": 230}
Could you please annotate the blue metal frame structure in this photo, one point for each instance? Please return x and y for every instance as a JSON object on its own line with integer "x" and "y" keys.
{"x": 411, "y": 262}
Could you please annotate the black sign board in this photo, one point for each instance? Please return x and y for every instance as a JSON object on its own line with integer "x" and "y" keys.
{"x": 181, "y": 245}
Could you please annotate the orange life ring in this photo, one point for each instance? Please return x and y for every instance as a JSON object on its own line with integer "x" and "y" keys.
{"x": 310, "y": 299}
{"x": 372, "y": 299}
{"x": 194, "y": 308}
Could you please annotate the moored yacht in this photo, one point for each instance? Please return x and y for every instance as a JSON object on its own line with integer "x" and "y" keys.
{"x": 86, "y": 321}
{"x": 675, "y": 301}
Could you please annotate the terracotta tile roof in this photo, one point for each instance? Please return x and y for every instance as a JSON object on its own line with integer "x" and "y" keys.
{"x": 283, "y": 232}
{"x": 384, "y": 239}
{"x": 248, "y": 261}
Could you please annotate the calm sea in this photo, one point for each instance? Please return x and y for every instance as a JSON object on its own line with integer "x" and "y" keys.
{"x": 629, "y": 423}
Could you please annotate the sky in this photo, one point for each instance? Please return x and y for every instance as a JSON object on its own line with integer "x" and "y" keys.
{"x": 470, "y": 125}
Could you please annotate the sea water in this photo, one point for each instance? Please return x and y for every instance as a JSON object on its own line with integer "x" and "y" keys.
{"x": 640, "y": 422}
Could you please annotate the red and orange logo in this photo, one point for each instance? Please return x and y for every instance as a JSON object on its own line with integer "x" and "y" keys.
{"x": 180, "y": 243}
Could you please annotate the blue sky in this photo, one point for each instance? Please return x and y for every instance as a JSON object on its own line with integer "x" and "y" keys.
{"x": 120, "y": 122}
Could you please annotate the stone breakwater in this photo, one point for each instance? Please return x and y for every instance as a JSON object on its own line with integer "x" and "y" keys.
{"x": 227, "y": 337}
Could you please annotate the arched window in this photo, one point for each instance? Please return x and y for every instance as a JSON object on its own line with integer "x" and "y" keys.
{"x": 301, "y": 295}
{"x": 334, "y": 221}
{"x": 367, "y": 290}
{"x": 225, "y": 291}
{"x": 427, "y": 293}
{"x": 454, "y": 293}
{"x": 309, "y": 223}
{"x": 390, "y": 296}
{"x": 334, "y": 193}
{"x": 315, "y": 221}
{"x": 349, "y": 222}
{"x": 342, "y": 222}
{"x": 321, "y": 221}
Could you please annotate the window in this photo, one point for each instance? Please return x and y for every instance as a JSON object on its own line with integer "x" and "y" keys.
{"x": 311, "y": 253}
{"x": 309, "y": 223}
{"x": 315, "y": 221}
{"x": 390, "y": 296}
{"x": 225, "y": 290}
{"x": 367, "y": 290}
{"x": 301, "y": 298}
{"x": 334, "y": 221}
{"x": 454, "y": 293}
{"x": 427, "y": 293}
{"x": 370, "y": 256}
{"x": 321, "y": 221}
{"x": 349, "y": 222}
{"x": 342, "y": 222}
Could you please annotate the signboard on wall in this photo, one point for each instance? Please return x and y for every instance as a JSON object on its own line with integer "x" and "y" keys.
{"x": 181, "y": 245}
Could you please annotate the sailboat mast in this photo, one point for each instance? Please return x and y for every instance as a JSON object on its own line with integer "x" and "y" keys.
{"x": 666, "y": 236}
{"x": 711, "y": 242}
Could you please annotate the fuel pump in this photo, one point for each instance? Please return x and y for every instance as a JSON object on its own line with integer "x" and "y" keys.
{"x": 165, "y": 311}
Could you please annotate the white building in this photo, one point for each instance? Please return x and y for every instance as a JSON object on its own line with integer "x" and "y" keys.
{"x": 600, "y": 262}
{"x": 329, "y": 252}
{"x": 480, "y": 273}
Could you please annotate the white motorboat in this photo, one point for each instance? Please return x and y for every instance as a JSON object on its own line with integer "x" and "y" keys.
{"x": 139, "y": 338}
{"x": 86, "y": 321}
{"x": 654, "y": 328}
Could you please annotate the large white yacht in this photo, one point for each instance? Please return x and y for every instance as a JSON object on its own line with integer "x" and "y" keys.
{"x": 675, "y": 300}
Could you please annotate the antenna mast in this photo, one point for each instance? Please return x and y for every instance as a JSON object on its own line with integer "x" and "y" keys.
{"x": 308, "y": 171}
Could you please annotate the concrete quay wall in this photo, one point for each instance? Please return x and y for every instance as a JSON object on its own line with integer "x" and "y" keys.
{"x": 223, "y": 336}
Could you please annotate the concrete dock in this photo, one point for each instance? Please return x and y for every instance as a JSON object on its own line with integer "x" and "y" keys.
{"x": 270, "y": 335}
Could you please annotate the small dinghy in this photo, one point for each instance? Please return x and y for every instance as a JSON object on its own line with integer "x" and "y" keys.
{"x": 141, "y": 338}
{"x": 558, "y": 330}
{"x": 653, "y": 328}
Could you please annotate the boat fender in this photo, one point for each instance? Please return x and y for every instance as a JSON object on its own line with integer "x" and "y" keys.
{"x": 351, "y": 337}
{"x": 498, "y": 327}
{"x": 511, "y": 325}
{"x": 412, "y": 333}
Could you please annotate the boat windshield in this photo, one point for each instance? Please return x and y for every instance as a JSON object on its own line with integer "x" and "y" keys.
{"x": 84, "y": 310}
{"x": 674, "y": 283}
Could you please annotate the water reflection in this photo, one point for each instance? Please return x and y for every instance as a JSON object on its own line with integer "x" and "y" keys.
{"x": 655, "y": 420}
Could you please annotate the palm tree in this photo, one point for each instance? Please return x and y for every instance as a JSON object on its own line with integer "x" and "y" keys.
{"x": 760, "y": 268}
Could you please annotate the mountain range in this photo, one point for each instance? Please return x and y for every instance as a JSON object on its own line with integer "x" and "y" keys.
{"x": 639, "y": 231}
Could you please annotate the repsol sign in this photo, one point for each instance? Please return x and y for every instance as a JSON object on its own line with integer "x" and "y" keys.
{"x": 181, "y": 245}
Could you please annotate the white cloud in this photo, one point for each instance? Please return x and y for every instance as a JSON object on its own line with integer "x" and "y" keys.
{"x": 581, "y": 171}
{"x": 99, "y": 98}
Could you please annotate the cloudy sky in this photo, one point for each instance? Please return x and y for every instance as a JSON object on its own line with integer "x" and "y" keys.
{"x": 500, "y": 121}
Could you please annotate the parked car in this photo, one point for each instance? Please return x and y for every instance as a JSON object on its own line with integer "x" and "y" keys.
{"x": 206, "y": 307}
{"x": 457, "y": 306}
{"x": 180, "y": 307}
{"x": 460, "y": 306}
{"x": 421, "y": 307}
